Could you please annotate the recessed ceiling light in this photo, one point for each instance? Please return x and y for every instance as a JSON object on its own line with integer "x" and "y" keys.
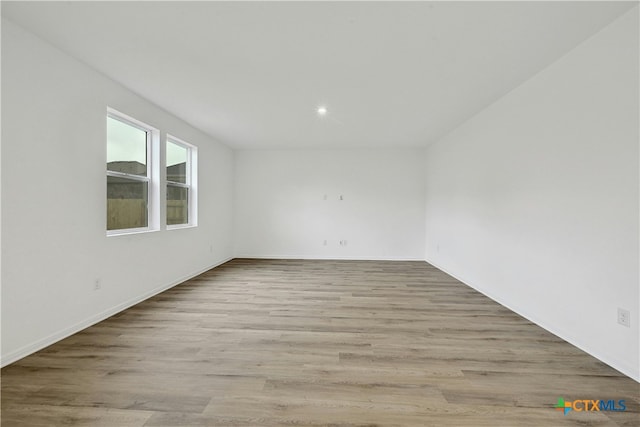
{"x": 322, "y": 110}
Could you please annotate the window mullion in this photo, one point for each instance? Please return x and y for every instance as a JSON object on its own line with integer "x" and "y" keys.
{"x": 128, "y": 176}
{"x": 177, "y": 184}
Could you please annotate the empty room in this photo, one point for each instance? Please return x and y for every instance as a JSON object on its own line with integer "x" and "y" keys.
{"x": 320, "y": 213}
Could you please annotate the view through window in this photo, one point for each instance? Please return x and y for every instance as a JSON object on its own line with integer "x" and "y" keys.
{"x": 180, "y": 192}
{"x": 128, "y": 176}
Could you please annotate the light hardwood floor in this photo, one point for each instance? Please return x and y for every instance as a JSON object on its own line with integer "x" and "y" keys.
{"x": 313, "y": 343}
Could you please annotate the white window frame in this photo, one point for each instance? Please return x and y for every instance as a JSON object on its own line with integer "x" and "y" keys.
{"x": 152, "y": 177}
{"x": 191, "y": 171}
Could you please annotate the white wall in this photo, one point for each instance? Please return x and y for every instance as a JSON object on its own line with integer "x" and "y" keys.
{"x": 534, "y": 201}
{"x": 53, "y": 200}
{"x": 281, "y": 210}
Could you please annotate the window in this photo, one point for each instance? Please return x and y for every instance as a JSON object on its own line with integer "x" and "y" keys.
{"x": 181, "y": 183}
{"x": 131, "y": 175}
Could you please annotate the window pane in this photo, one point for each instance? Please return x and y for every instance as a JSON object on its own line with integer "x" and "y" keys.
{"x": 177, "y": 205}
{"x": 176, "y": 163}
{"x": 126, "y": 148}
{"x": 126, "y": 203}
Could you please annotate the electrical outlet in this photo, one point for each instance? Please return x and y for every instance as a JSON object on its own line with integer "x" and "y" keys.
{"x": 97, "y": 285}
{"x": 624, "y": 317}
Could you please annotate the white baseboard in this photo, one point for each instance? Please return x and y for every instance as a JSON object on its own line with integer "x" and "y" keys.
{"x": 622, "y": 366}
{"x": 66, "y": 332}
{"x": 328, "y": 258}
{"x": 619, "y": 365}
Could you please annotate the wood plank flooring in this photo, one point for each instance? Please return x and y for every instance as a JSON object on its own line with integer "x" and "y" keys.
{"x": 313, "y": 343}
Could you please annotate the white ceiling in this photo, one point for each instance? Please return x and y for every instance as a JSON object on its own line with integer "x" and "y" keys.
{"x": 251, "y": 74}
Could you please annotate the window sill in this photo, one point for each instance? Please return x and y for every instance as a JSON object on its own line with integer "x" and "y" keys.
{"x": 129, "y": 231}
{"x": 181, "y": 226}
